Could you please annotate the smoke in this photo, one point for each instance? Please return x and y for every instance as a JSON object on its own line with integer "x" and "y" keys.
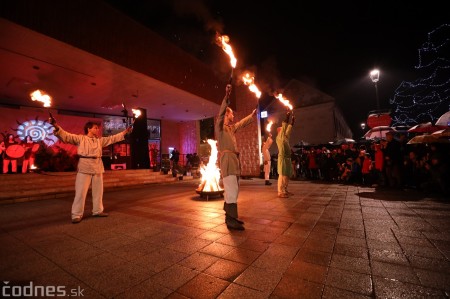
{"x": 199, "y": 10}
{"x": 267, "y": 75}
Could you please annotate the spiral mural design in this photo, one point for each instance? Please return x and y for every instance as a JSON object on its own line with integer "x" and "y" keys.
{"x": 38, "y": 130}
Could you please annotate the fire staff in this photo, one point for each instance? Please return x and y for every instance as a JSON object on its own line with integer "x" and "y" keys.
{"x": 229, "y": 158}
{"x": 90, "y": 165}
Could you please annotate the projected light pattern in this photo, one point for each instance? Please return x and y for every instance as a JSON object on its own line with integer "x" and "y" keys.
{"x": 428, "y": 97}
{"x": 38, "y": 130}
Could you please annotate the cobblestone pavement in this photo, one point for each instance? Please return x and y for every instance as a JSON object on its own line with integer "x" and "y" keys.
{"x": 164, "y": 241}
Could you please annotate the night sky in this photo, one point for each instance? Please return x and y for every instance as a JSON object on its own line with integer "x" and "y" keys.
{"x": 331, "y": 46}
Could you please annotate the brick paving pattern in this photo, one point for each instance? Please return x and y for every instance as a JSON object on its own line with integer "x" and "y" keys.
{"x": 164, "y": 241}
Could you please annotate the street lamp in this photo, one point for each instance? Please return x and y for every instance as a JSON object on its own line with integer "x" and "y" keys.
{"x": 363, "y": 126}
{"x": 375, "y": 76}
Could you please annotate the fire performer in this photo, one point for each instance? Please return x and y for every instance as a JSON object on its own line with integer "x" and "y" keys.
{"x": 266, "y": 155}
{"x": 285, "y": 169}
{"x": 90, "y": 165}
{"x": 229, "y": 158}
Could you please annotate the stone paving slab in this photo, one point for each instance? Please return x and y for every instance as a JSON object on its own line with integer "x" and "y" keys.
{"x": 164, "y": 241}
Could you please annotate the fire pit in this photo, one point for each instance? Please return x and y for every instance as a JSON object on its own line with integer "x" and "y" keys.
{"x": 209, "y": 194}
{"x": 209, "y": 186}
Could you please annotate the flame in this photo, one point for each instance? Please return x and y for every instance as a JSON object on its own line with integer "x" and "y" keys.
{"x": 249, "y": 81}
{"x": 40, "y": 96}
{"x": 269, "y": 126}
{"x": 223, "y": 41}
{"x": 284, "y": 101}
{"x": 211, "y": 173}
{"x": 136, "y": 112}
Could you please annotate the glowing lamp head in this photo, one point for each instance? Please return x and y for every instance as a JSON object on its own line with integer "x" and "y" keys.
{"x": 375, "y": 75}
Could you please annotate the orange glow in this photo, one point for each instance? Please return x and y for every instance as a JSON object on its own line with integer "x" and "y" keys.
{"x": 223, "y": 41}
{"x": 284, "y": 101}
{"x": 269, "y": 126}
{"x": 40, "y": 96}
{"x": 211, "y": 173}
{"x": 136, "y": 112}
{"x": 249, "y": 80}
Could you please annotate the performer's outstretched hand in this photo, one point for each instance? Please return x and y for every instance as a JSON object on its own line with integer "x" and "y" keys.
{"x": 51, "y": 119}
{"x": 228, "y": 90}
{"x": 128, "y": 130}
{"x": 288, "y": 114}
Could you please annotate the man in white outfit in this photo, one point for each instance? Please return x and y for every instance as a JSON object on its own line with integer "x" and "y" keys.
{"x": 266, "y": 156}
{"x": 90, "y": 165}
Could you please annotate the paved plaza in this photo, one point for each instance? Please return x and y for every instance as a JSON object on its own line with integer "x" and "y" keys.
{"x": 164, "y": 241}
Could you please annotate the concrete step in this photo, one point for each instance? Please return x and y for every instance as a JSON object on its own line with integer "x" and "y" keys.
{"x": 35, "y": 186}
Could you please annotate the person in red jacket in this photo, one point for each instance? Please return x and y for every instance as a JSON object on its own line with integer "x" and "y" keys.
{"x": 379, "y": 165}
{"x": 366, "y": 170}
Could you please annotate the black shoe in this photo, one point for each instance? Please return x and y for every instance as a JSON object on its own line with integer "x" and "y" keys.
{"x": 233, "y": 223}
{"x": 268, "y": 183}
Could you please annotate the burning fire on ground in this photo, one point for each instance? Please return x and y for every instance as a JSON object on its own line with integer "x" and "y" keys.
{"x": 209, "y": 184}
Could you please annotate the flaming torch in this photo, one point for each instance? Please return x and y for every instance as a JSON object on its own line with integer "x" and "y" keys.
{"x": 136, "y": 113}
{"x": 249, "y": 80}
{"x": 223, "y": 41}
{"x": 209, "y": 184}
{"x": 284, "y": 101}
{"x": 42, "y": 97}
{"x": 269, "y": 126}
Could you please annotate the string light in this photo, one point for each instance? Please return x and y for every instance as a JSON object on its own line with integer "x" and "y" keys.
{"x": 428, "y": 97}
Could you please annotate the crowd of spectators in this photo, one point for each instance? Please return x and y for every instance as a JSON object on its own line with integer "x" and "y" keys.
{"x": 390, "y": 163}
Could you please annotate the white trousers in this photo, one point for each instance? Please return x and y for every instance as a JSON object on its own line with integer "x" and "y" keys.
{"x": 231, "y": 186}
{"x": 267, "y": 170}
{"x": 82, "y": 183}
{"x": 283, "y": 181}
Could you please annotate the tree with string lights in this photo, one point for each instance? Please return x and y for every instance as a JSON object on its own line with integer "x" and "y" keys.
{"x": 428, "y": 97}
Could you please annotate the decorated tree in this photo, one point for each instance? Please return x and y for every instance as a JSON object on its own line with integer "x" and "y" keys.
{"x": 428, "y": 97}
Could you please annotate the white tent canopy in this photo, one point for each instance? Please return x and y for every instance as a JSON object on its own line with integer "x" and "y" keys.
{"x": 378, "y": 132}
{"x": 444, "y": 120}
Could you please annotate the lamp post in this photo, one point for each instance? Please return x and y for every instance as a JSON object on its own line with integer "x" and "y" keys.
{"x": 375, "y": 76}
{"x": 363, "y": 126}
